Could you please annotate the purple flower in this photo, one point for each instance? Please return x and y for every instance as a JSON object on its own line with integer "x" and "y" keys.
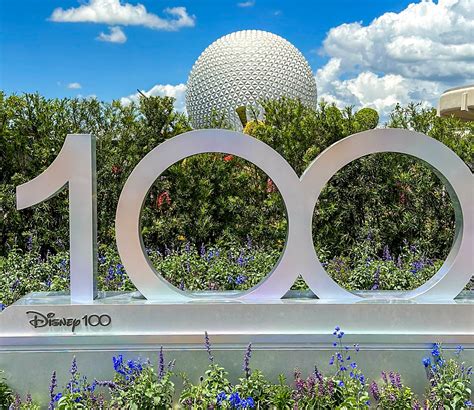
{"x": 386, "y": 254}
{"x": 208, "y": 347}
{"x": 376, "y": 279}
{"x": 240, "y": 279}
{"x": 52, "y": 386}
{"x": 73, "y": 370}
{"x": 247, "y": 356}
{"x": 374, "y": 390}
{"x": 161, "y": 365}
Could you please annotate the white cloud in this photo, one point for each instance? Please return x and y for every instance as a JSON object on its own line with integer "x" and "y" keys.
{"x": 114, "y": 12}
{"x": 177, "y": 91}
{"x": 399, "y": 57}
{"x": 249, "y": 3}
{"x": 115, "y": 35}
{"x": 74, "y": 86}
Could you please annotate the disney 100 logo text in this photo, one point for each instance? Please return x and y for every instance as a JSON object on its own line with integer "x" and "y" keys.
{"x": 39, "y": 320}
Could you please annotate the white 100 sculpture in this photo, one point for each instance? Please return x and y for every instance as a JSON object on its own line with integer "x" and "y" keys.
{"x": 75, "y": 167}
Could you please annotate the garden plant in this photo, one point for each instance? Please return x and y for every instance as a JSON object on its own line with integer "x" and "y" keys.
{"x": 139, "y": 384}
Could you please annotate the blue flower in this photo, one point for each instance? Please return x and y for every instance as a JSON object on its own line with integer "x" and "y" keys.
{"x": 234, "y": 399}
{"x": 58, "y": 396}
{"x": 342, "y": 369}
{"x": 335, "y": 344}
{"x": 340, "y": 383}
{"x": 353, "y": 365}
{"x": 426, "y": 361}
{"x": 356, "y": 347}
{"x": 247, "y": 403}
{"x": 435, "y": 350}
{"x": 340, "y": 335}
{"x": 331, "y": 360}
{"x": 240, "y": 279}
{"x": 459, "y": 349}
{"x": 337, "y": 328}
{"x": 468, "y": 403}
{"x": 2, "y": 306}
{"x": 221, "y": 397}
{"x": 362, "y": 378}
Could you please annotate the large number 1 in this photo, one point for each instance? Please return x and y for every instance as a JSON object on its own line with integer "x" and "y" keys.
{"x": 75, "y": 166}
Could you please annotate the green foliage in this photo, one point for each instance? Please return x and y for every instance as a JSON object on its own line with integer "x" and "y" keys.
{"x": 256, "y": 386}
{"x": 315, "y": 392}
{"x": 19, "y": 404}
{"x": 366, "y": 118}
{"x": 78, "y": 393}
{"x": 217, "y": 268}
{"x": 204, "y": 394}
{"x": 147, "y": 391}
{"x": 450, "y": 384}
{"x": 392, "y": 394}
{"x": 280, "y": 395}
{"x": 216, "y": 197}
{"x": 5, "y": 392}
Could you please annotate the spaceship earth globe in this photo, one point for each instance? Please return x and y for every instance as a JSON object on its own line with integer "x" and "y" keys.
{"x": 242, "y": 69}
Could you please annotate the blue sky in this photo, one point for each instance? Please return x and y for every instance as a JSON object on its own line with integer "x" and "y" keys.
{"x": 69, "y": 57}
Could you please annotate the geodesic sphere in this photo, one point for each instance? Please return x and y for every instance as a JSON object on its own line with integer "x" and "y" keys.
{"x": 243, "y": 68}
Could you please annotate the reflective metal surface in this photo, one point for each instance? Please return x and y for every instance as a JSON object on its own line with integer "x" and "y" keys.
{"x": 242, "y": 69}
{"x": 74, "y": 166}
{"x": 300, "y": 196}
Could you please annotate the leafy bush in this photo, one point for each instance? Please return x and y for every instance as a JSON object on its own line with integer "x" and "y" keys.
{"x": 392, "y": 394}
{"x": 137, "y": 386}
{"x": 5, "y": 392}
{"x": 449, "y": 380}
{"x": 77, "y": 394}
{"x": 216, "y": 197}
{"x": 218, "y": 268}
{"x": 211, "y": 387}
{"x": 27, "y": 404}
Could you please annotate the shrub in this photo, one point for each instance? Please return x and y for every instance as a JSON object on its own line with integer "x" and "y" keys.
{"x": 5, "y": 392}
{"x": 136, "y": 385}
{"x": 77, "y": 394}
{"x": 27, "y": 404}
{"x": 211, "y": 387}
{"x": 392, "y": 394}
{"x": 449, "y": 380}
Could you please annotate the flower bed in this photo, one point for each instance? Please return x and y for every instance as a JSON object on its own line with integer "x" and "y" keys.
{"x": 137, "y": 384}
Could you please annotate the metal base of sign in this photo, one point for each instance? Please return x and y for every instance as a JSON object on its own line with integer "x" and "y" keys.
{"x": 287, "y": 333}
